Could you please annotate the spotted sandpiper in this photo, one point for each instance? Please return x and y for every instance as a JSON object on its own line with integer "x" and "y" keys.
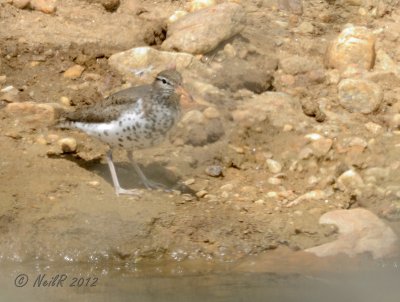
{"x": 133, "y": 118}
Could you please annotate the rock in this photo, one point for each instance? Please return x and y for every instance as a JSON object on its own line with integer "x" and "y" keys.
{"x": 74, "y": 72}
{"x": 293, "y": 6}
{"x": 297, "y": 64}
{"x": 394, "y": 121}
{"x": 374, "y": 8}
{"x": 211, "y": 113}
{"x": 203, "y": 30}
{"x": 354, "y": 47}
{"x": 201, "y": 193}
{"x": 68, "y": 144}
{"x": 34, "y": 114}
{"x": 274, "y": 181}
{"x": 229, "y": 51}
{"x": 305, "y": 28}
{"x": 91, "y": 76}
{"x": 3, "y": 78}
{"x": 177, "y": 15}
{"x": 45, "y": 6}
{"x": 350, "y": 181}
{"x": 9, "y": 94}
{"x": 196, "y": 5}
{"x": 358, "y": 95}
{"x": 311, "y": 108}
{"x": 373, "y": 128}
{"x": 193, "y": 117}
{"x": 312, "y": 195}
{"x": 227, "y": 187}
{"x": 109, "y": 5}
{"x": 355, "y": 141}
{"x": 235, "y": 74}
{"x": 65, "y": 101}
{"x": 195, "y": 130}
{"x": 214, "y": 171}
{"x": 321, "y": 147}
{"x": 143, "y": 63}
{"x": 21, "y": 3}
{"x": 276, "y": 107}
{"x": 360, "y": 231}
{"x": 273, "y": 166}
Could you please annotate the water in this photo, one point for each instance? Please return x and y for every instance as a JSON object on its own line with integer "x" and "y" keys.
{"x": 254, "y": 279}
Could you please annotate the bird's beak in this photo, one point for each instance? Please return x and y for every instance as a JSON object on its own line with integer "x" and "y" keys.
{"x": 183, "y": 92}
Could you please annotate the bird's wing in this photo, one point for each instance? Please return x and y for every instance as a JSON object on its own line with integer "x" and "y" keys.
{"x": 111, "y": 107}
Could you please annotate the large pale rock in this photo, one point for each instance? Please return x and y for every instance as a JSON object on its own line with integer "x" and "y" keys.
{"x": 353, "y": 48}
{"x": 202, "y": 31}
{"x": 45, "y": 6}
{"x": 143, "y": 63}
{"x": 358, "y": 95}
{"x": 21, "y": 3}
{"x": 34, "y": 114}
{"x": 360, "y": 231}
{"x": 279, "y": 108}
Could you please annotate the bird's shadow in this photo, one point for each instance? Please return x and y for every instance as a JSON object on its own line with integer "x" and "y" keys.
{"x": 127, "y": 176}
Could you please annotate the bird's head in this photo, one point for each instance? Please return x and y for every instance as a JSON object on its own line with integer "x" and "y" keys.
{"x": 169, "y": 81}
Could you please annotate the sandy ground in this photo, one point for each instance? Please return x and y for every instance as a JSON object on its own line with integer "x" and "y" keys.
{"x": 64, "y": 207}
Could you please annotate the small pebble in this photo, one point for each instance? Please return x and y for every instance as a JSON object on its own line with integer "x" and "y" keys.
{"x": 65, "y": 101}
{"x": 227, "y": 187}
{"x": 287, "y": 128}
{"x": 187, "y": 197}
{"x": 373, "y": 128}
{"x": 273, "y": 166}
{"x": 274, "y": 181}
{"x": 94, "y": 183}
{"x": 68, "y": 144}
{"x": 41, "y": 140}
{"x": 214, "y": 171}
{"x": 189, "y": 182}
{"x": 229, "y": 51}
{"x": 211, "y": 113}
{"x": 74, "y": 72}
{"x": 272, "y": 194}
{"x": 201, "y": 193}
{"x": 259, "y": 201}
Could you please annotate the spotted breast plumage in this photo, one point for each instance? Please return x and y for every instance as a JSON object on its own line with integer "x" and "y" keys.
{"x": 134, "y": 118}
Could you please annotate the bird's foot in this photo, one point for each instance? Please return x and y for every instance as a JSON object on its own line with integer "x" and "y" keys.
{"x": 121, "y": 191}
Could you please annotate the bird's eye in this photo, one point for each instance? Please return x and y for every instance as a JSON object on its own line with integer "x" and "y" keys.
{"x": 164, "y": 81}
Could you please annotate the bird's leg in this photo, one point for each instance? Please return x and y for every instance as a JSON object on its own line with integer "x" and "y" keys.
{"x": 149, "y": 184}
{"x": 114, "y": 177}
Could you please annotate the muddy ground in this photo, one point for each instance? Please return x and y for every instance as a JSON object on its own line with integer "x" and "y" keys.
{"x": 63, "y": 206}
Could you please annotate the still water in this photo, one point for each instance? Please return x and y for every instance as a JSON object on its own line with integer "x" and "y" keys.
{"x": 267, "y": 278}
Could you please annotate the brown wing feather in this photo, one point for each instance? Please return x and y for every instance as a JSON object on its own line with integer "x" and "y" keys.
{"x": 111, "y": 107}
